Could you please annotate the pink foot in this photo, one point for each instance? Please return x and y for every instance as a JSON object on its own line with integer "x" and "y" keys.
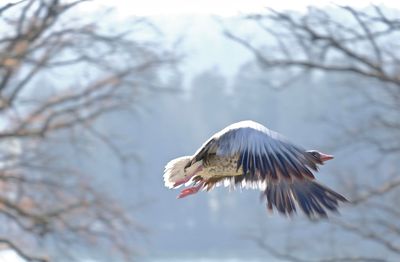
{"x": 190, "y": 191}
{"x": 183, "y": 181}
{"x": 186, "y": 179}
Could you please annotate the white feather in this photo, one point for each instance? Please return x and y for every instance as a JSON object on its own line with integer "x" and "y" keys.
{"x": 175, "y": 170}
{"x": 260, "y": 184}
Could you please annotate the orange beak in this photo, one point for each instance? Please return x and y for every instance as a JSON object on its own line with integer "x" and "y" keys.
{"x": 325, "y": 157}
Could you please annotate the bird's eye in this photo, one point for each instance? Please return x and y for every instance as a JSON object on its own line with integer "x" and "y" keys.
{"x": 315, "y": 154}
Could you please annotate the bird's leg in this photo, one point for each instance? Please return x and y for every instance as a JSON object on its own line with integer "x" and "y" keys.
{"x": 188, "y": 177}
{"x": 191, "y": 190}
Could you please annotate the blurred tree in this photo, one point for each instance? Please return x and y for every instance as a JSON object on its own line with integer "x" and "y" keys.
{"x": 360, "y": 47}
{"x": 209, "y": 86}
{"x": 59, "y": 73}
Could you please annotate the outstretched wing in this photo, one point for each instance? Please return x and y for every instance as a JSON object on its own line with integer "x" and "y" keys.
{"x": 263, "y": 153}
{"x": 266, "y": 156}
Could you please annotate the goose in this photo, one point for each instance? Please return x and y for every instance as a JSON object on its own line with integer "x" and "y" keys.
{"x": 247, "y": 154}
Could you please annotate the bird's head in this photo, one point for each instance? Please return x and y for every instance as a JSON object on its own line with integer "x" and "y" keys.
{"x": 319, "y": 157}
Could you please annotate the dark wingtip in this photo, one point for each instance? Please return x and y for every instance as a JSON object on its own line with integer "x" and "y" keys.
{"x": 314, "y": 199}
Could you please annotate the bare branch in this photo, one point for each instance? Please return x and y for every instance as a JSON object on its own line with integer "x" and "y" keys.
{"x": 357, "y": 46}
{"x": 21, "y": 253}
{"x": 382, "y": 190}
{"x": 363, "y": 232}
{"x": 9, "y": 5}
{"x": 59, "y": 74}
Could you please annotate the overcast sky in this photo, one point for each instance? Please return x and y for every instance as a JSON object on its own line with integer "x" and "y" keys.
{"x": 224, "y": 7}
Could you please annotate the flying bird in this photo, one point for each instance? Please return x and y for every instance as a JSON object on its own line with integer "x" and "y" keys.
{"x": 247, "y": 154}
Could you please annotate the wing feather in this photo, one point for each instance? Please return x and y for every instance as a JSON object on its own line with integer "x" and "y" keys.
{"x": 263, "y": 153}
{"x": 282, "y": 170}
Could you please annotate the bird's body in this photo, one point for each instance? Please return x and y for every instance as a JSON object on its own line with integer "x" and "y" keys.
{"x": 221, "y": 166}
{"x": 248, "y": 154}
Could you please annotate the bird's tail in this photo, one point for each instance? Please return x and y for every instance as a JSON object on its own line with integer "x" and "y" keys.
{"x": 313, "y": 198}
{"x": 175, "y": 170}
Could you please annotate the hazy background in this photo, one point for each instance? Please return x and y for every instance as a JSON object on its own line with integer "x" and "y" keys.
{"x": 204, "y": 79}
